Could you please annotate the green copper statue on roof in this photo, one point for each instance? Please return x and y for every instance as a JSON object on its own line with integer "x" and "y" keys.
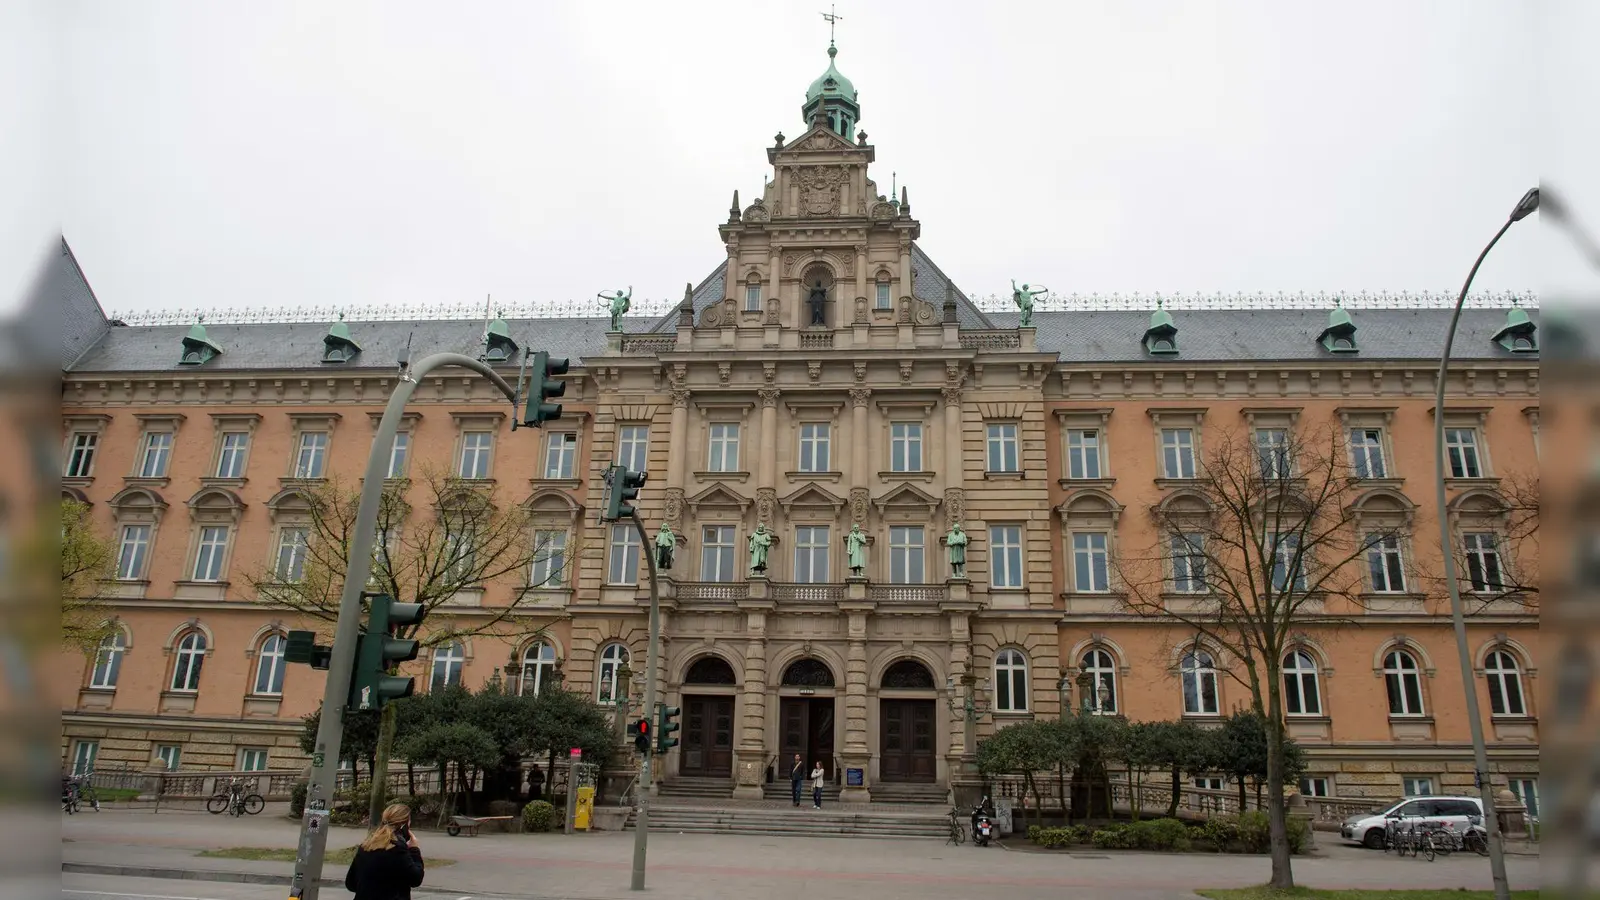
{"x": 619, "y": 302}
{"x": 1023, "y": 297}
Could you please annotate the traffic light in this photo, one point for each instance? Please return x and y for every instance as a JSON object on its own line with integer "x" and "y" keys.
{"x": 544, "y": 388}
{"x": 665, "y": 726}
{"x": 625, "y": 484}
{"x": 379, "y": 651}
{"x": 641, "y": 735}
{"x": 302, "y": 648}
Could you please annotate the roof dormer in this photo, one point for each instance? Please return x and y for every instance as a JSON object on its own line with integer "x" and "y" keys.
{"x": 197, "y": 348}
{"x": 1340, "y": 335}
{"x": 1161, "y": 338}
{"x": 337, "y": 345}
{"x": 1519, "y": 334}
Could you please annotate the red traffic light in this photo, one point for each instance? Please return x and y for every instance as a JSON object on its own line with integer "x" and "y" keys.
{"x": 642, "y": 727}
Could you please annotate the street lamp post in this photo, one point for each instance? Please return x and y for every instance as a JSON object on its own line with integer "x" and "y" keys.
{"x": 970, "y": 706}
{"x": 1480, "y": 753}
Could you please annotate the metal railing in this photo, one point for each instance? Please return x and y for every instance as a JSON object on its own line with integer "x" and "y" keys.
{"x": 1155, "y": 797}
{"x": 159, "y": 787}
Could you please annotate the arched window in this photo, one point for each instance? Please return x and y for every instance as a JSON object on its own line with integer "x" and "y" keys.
{"x": 1102, "y": 672}
{"x": 269, "y": 665}
{"x": 538, "y": 664}
{"x": 1010, "y": 681}
{"x": 612, "y": 658}
{"x": 808, "y": 672}
{"x": 448, "y": 660}
{"x": 1199, "y": 684}
{"x": 710, "y": 670}
{"x": 908, "y": 674}
{"x": 1302, "y": 694}
{"x": 186, "y": 669}
{"x": 1403, "y": 680}
{"x": 108, "y": 661}
{"x": 1505, "y": 684}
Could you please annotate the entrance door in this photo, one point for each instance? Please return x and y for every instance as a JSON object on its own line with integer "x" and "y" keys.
{"x": 806, "y": 729}
{"x": 707, "y": 737}
{"x": 906, "y": 750}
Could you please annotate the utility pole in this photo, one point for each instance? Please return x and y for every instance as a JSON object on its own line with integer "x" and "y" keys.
{"x": 641, "y": 828}
{"x": 307, "y": 880}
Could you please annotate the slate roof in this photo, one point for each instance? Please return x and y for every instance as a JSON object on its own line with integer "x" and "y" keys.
{"x": 1237, "y": 335}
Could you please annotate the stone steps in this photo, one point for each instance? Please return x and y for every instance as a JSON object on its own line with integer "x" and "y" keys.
{"x": 710, "y": 788}
{"x": 897, "y": 792}
{"x": 804, "y": 822}
{"x": 780, "y": 791}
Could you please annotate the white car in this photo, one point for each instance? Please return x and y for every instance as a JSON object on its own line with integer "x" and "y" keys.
{"x": 1368, "y": 828}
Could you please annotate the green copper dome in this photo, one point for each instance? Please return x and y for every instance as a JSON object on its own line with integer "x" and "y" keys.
{"x": 831, "y": 82}
{"x": 1161, "y": 319}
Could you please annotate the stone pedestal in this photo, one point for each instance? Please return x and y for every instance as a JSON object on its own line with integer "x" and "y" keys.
{"x": 1297, "y": 809}
{"x": 855, "y": 758}
{"x": 1027, "y": 337}
{"x": 749, "y": 771}
{"x": 1511, "y": 815}
{"x": 613, "y": 343}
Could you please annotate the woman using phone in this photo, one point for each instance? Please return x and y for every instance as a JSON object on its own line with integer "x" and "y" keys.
{"x": 388, "y": 864}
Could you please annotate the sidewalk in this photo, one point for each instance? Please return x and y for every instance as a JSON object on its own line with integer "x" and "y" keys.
{"x": 716, "y": 867}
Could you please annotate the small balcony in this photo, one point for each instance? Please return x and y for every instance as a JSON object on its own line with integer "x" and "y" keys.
{"x": 904, "y": 594}
{"x": 713, "y": 591}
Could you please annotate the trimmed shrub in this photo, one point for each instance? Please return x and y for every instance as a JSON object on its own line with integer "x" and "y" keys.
{"x": 297, "y": 799}
{"x": 538, "y": 817}
{"x": 1159, "y": 834}
{"x": 1114, "y": 837}
{"x": 1052, "y": 838}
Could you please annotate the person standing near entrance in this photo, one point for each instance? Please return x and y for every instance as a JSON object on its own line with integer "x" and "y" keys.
{"x": 797, "y": 776}
{"x": 817, "y": 778}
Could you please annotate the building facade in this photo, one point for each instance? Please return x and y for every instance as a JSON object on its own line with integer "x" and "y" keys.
{"x": 827, "y": 376}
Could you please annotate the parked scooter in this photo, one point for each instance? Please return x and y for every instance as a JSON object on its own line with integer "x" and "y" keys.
{"x": 982, "y": 824}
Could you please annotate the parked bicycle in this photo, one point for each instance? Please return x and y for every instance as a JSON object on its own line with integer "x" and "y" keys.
{"x": 958, "y": 831}
{"x": 234, "y": 801}
{"x": 77, "y": 792}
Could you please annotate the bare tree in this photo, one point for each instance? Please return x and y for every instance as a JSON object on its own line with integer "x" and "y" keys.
{"x": 1269, "y": 537}
{"x": 460, "y": 541}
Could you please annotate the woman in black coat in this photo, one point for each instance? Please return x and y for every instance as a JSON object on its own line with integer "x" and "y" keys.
{"x": 388, "y": 863}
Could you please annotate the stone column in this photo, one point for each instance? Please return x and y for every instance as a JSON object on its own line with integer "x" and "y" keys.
{"x": 767, "y": 469}
{"x": 954, "y": 476}
{"x": 903, "y": 282}
{"x": 750, "y": 755}
{"x": 677, "y": 453}
{"x": 772, "y": 276}
{"x": 861, "y": 273}
{"x": 860, "y": 455}
{"x": 856, "y": 754}
{"x": 732, "y": 278}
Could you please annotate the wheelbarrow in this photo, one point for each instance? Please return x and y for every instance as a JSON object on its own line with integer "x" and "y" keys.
{"x": 470, "y": 824}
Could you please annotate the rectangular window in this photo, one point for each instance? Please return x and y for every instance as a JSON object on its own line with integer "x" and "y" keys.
{"x": 397, "y": 455}
{"x": 134, "y": 553}
{"x": 811, "y": 554}
{"x": 460, "y": 557}
{"x": 1090, "y": 563}
{"x": 561, "y": 454}
{"x": 1189, "y": 564}
{"x": 208, "y": 555}
{"x": 633, "y": 447}
{"x": 156, "y": 454}
{"x": 1272, "y": 452}
{"x": 1177, "y": 452}
{"x": 1312, "y": 786}
{"x": 230, "y": 458}
{"x": 291, "y": 555}
{"x": 1005, "y": 556}
{"x": 1288, "y": 567}
{"x": 1416, "y": 785}
{"x": 1461, "y": 448}
{"x": 1366, "y": 453}
{"x": 253, "y": 759}
{"x": 752, "y": 298}
{"x": 1527, "y": 791}
{"x": 169, "y": 755}
{"x": 718, "y": 559}
{"x": 1083, "y": 453}
{"x": 313, "y": 455}
{"x": 814, "y": 446}
{"x": 1003, "y": 447}
{"x": 624, "y": 555}
{"x": 1210, "y": 782}
{"x": 906, "y": 560}
{"x": 883, "y": 301}
{"x": 1483, "y": 562}
{"x": 80, "y": 460}
{"x": 549, "y": 559}
{"x": 83, "y": 757}
{"x": 1385, "y": 564}
{"x": 723, "y": 453}
{"x": 475, "y": 446}
{"x": 905, "y": 447}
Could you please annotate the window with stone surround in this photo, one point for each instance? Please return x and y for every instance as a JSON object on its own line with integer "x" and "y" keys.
{"x": 1483, "y": 561}
{"x": 752, "y": 294}
{"x": 136, "y": 513}
{"x": 718, "y": 553}
{"x": 905, "y": 447}
{"x": 907, "y": 554}
{"x": 253, "y": 759}
{"x": 476, "y": 447}
{"x": 624, "y": 555}
{"x": 815, "y": 447}
{"x": 211, "y": 552}
{"x": 1466, "y": 452}
{"x": 133, "y": 552}
{"x": 550, "y": 558}
{"x": 1003, "y": 451}
{"x": 169, "y": 756}
{"x": 1302, "y": 692}
{"x": 399, "y": 455}
{"x": 883, "y": 300}
{"x": 722, "y": 450}
{"x": 81, "y": 447}
{"x": 1272, "y": 432}
{"x": 1010, "y": 681}
{"x": 108, "y": 661}
{"x": 214, "y": 516}
{"x": 1386, "y": 569}
{"x": 1178, "y": 443}
{"x": 1091, "y": 562}
{"x": 1402, "y": 681}
{"x": 1416, "y": 785}
{"x": 1083, "y": 453}
{"x": 233, "y": 433}
{"x": 811, "y": 552}
{"x": 232, "y": 455}
{"x": 538, "y": 668}
{"x": 293, "y": 545}
{"x": 606, "y": 683}
{"x": 270, "y": 666}
{"x": 1198, "y": 671}
{"x": 83, "y": 757}
{"x": 1177, "y": 453}
{"x": 560, "y": 455}
{"x": 1005, "y": 556}
{"x": 155, "y": 454}
{"x": 1101, "y": 668}
{"x": 189, "y": 656}
{"x": 448, "y": 661}
{"x": 1503, "y": 677}
{"x": 312, "y": 459}
{"x": 633, "y": 447}
{"x": 1187, "y": 558}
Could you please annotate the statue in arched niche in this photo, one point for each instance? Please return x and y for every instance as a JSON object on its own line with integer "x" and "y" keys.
{"x": 817, "y": 302}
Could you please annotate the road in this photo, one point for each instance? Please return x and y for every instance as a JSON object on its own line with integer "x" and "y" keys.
{"x": 715, "y": 867}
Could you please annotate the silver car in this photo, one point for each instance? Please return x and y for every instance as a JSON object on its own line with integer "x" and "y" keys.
{"x": 1368, "y": 828}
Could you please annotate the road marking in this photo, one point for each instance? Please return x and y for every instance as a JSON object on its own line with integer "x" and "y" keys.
{"x": 132, "y": 896}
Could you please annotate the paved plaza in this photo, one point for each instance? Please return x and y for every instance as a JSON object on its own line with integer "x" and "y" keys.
{"x": 115, "y": 853}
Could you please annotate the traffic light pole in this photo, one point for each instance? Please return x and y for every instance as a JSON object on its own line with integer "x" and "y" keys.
{"x": 307, "y": 880}
{"x": 641, "y": 828}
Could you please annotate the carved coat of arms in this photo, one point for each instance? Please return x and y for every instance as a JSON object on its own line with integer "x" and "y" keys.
{"x": 819, "y": 190}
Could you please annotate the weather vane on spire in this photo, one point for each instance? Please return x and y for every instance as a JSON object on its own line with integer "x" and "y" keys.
{"x": 832, "y": 17}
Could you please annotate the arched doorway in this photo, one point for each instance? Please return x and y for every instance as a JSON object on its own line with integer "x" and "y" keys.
{"x": 707, "y": 742}
{"x": 806, "y": 721}
{"x": 907, "y": 724}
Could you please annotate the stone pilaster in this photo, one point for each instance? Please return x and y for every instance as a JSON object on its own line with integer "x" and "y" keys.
{"x": 954, "y": 476}
{"x": 750, "y": 754}
{"x": 860, "y": 492}
{"x": 856, "y": 753}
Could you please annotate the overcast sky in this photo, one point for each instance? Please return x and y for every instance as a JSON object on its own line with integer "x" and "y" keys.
{"x": 226, "y": 154}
